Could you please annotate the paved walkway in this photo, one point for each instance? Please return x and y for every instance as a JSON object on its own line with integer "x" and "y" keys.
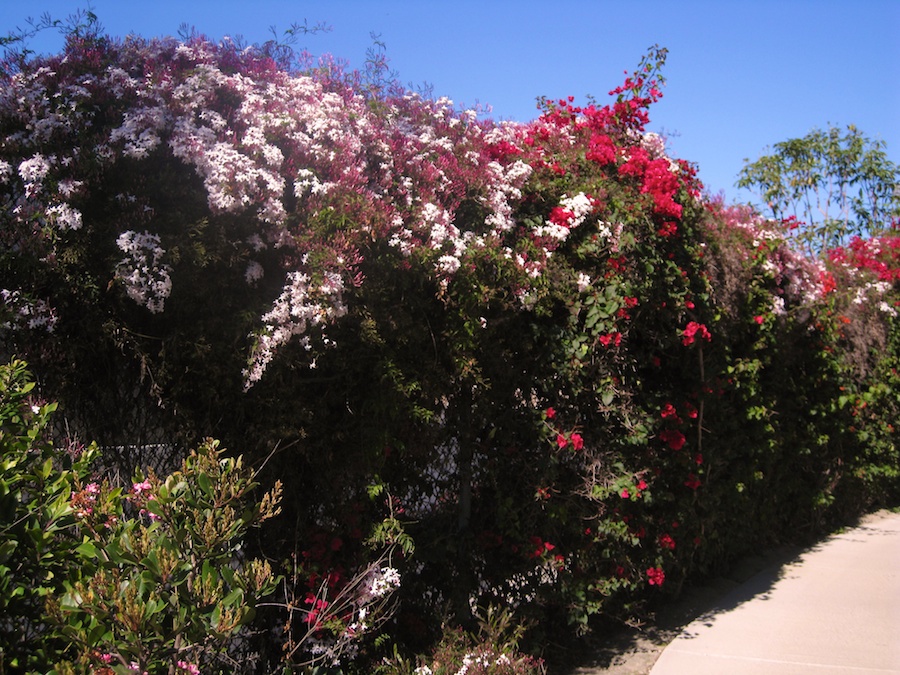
{"x": 835, "y": 609}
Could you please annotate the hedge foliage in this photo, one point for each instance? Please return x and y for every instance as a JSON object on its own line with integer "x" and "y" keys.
{"x": 538, "y": 349}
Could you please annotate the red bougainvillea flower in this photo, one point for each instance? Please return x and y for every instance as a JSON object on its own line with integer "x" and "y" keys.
{"x": 635, "y": 164}
{"x": 661, "y": 184}
{"x": 694, "y": 330}
{"x": 614, "y": 339}
{"x": 828, "y": 283}
{"x": 561, "y": 440}
{"x": 550, "y": 413}
{"x": 562, "y": 217}
{"x": 668, "y": 411}
{"x": 760, "y": 319}
{"x": 666, "y": 541}
{"x": 673, "y": 438}
{"x": 540, "y": 546}
{"x": 601, "y": 150}
{"x": 668, "y": 229}
{"x": 577, "y": 442}
{"x": 693, "y": 482}
{"x": 617, "y": 263}
{"x": 656, "y": 576}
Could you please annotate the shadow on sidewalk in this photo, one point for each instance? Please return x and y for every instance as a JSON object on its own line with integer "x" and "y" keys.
{"x": 633, "y": 651}
{"x": 784, "y": 563}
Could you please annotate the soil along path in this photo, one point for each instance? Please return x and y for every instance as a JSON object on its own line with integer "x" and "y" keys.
{"x": 834, "y": 609}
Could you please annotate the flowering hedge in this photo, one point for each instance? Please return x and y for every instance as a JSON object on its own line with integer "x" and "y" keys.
{"x": 580, "y": 380}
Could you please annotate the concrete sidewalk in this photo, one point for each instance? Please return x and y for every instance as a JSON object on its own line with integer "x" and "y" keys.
{"x": 835, "y": 609}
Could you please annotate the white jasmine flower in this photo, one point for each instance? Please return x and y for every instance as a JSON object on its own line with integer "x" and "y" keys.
{"x": 887, "y": 309}
{"x": 146, "y": 278}
{"x": 64, "y": 217}
{"x": 254, "y": 272}
{"x": 447, "y": 264}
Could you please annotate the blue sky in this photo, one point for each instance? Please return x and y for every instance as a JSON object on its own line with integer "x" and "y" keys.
{"x": 741, "y": 75}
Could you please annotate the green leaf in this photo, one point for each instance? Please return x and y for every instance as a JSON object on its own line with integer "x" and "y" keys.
{"x": 151, "y": 562}
{"x": 248, "y": 616}
{"x": 7, "y": 548}
{"x": 88, "y": 550}
{"x": 204, "y": 483}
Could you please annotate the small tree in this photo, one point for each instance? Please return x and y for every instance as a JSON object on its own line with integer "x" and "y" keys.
{"x": 836, "y": 183}
{"x": 36, "y": 522}
{"x": 153, "y": 580}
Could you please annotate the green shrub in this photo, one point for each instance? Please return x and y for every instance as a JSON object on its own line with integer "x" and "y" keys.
{"x": 151, "y": 579}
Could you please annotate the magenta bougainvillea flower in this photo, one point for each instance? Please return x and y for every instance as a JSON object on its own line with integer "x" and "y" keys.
{"x": 693, "y": 331}
{"x": 655, "y": 576}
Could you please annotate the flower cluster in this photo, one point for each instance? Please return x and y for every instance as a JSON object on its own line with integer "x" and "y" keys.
{"x": 84, "y": 500}
{"x": 22, "y": 313}
{"x": 141, "y": 495}
{"x": 656, "y": 576}
{"x": 880, "y": 255}
{"x": 286, "y": 149}
{"x": 563, "y": 438}
{"x": 188, "y": 667}
{"x": 297, "y": 309}
{"x": 571, "y": 213}
{"x": 693, "y": 331}
{"x": 147, "y": 279}
{"x": 380, "y": 583}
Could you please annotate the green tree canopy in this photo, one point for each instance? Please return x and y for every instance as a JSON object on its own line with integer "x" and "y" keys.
{"x": 835, "y": 183}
